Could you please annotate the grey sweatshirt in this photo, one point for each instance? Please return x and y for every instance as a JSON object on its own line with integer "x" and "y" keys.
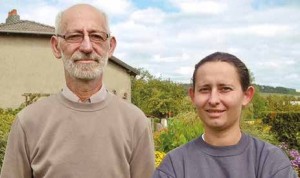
{"x": 250, "y": 158}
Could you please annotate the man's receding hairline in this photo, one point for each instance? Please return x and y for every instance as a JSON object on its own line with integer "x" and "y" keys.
{"x": 60, "y": 15}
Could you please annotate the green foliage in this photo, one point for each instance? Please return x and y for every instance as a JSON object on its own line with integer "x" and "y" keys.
{"x": 32, "y": 97}
{"x": 181, "y": 129}
{"x": 6, "y": 119}
{"x": 285, "y": 126}
{"x": 273, "y": 103}
{"x": 157, "y": 97}
{"x": 278, "y": 112}
{"x": 259, "y": 130}
{"x": 258, "y": 104}
{"x": 285, "y": 103}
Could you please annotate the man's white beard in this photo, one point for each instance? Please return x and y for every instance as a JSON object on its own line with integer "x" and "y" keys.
{"x": 85, "y": 71}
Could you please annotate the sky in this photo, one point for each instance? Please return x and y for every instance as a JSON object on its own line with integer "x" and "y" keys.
{"x": 168, "y": 37}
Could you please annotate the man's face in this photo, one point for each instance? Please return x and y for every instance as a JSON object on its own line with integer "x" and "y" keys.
{"x": 84, "y": 59}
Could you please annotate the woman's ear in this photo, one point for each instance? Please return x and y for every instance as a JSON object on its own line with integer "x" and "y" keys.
{"x": 191, "y": 93}
{"x": 248, "y": 95}
{"x": 55, "y": 47}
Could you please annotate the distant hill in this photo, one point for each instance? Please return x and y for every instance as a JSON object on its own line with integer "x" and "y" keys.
{"x": 265, "y": 89}
{"x": 276, "y": 90}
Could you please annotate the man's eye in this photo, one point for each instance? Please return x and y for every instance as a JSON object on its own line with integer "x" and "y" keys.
{"x": 74, "y": 37}
{"x": 97, "y": 37}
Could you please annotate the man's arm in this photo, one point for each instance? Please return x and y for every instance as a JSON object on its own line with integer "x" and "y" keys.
{"x": 16, "y": 162}
{"x": 142, "y": 161}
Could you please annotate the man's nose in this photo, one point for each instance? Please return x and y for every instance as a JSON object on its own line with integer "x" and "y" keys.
{"x": 86, "y": 45}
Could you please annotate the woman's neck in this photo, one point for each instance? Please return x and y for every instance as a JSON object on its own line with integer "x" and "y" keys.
{"x": 222, "y": 138}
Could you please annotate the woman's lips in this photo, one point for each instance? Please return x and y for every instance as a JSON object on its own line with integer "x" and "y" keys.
{"x": 215, "y": 113}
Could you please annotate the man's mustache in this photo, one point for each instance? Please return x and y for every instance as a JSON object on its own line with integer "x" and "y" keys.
{"x": 85, "y": 57}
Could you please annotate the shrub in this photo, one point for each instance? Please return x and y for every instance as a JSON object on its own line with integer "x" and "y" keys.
{"x": 6, "y": 118}
{"x": 159, "y": 156}
{"x": 181, "y": 129}
{"x": 286, "y": 127}
{"x": 259, "y": 130}
{"x": 294, "y": 156}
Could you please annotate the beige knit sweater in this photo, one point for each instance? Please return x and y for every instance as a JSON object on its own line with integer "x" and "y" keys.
{"x": 58, "y": 138}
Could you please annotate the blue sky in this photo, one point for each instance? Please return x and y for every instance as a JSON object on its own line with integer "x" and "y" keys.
{"x": 168, "y": 37}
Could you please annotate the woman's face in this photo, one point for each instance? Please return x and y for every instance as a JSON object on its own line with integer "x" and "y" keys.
{"x": 218, "y": 96}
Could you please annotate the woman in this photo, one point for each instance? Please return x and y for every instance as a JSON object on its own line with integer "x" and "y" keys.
{"x": 221, "y": 88}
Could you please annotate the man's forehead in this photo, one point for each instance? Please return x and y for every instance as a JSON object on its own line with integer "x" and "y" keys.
{"x": 81, "y": 7}
{"x": 80, "y": 17}
{"x": 82, "y": 12}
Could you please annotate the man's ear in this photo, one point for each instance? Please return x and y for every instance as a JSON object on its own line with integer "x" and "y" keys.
{"x": 112, "y": 45}
{"x": 55, "y": 47}
{"x": 248, "y": 95}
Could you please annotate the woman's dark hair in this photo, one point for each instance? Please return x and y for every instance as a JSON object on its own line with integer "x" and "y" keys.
{"x": 240, "y": 67}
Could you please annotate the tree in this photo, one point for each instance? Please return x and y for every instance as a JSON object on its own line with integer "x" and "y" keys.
{"x": 158, "y": 97}
{"x": 259, "y": 104}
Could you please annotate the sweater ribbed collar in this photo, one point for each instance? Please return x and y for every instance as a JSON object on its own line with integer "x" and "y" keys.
{"x": 233, "y": 150}
{"x": 85, "y": 107}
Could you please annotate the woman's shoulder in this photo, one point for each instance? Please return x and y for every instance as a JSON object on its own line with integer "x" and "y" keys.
{"x": 188, "y": 148}
{"x": 175, "y": 159}
{"x": 269, "y": 152}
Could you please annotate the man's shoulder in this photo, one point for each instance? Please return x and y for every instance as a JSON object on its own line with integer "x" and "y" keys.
{"x": 126, "y": 105}
{"x": 39, "y": 106}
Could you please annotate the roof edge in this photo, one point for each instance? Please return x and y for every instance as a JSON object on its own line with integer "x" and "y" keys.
{"x": 130, "y": 70}
{"x": 26, "y": 32}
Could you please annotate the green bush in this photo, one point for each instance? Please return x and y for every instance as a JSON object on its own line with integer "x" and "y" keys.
{"x": 6, "y": 119}
{"x": 181, "y": 129}
{"x": 258, "y": 129}
{"x": 286, "y": 127}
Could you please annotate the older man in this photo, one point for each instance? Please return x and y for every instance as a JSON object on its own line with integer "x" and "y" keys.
{"x": 84, "y": 131}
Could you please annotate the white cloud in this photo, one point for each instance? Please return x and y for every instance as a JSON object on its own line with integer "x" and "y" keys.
{"x": 111, "y": 7}
{"x": 292, "y": 77}
{"x": 148, "y": 16}
{"x": 201, "y": 7}
{"x": 41, "y": 15}
{"x": 170, "y": 59}
{"x": 187, "y": 70}
{"x": 264, "y": 30}
{"x": 158, "y": 58}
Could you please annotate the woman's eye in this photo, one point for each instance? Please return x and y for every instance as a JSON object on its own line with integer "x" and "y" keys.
{"x": 226, "y": 89}
{"x": 203, "y": 90}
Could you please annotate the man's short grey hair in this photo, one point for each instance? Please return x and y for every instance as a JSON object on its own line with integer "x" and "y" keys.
{"x": 59, "y": 16}
{"x": 58, "y": 23}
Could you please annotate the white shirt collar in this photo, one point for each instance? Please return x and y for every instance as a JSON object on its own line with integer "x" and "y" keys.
{"x": 95, "y": 98}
